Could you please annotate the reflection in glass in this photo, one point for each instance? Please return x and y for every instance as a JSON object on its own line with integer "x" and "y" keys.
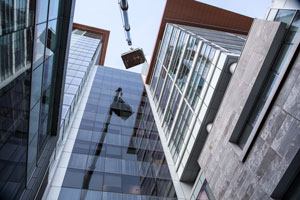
{"x": 272, "y": 14}
{"x": 120, "y": 140}
{"x": 39, "y": 44}
{"x": 36, "y": 85}
{"x": 160, "y": 84}
{"x": 53, "y": 9}
{"x": 170, "y": 47}
{"x": 182, "y": 126}
{"x": 52, "y": 43}
{"x": 69, "y": 193}
{"x": 165, "y": 96}
{"x": 187, "y": 61}
{"x": 178, "y": 51}
{"x": 160, "y": 58}
{"x": 41, "y": 11}
{"x": 294, "y": 29}
{"x": 171, "y": 111}
{"x": 33, "y": 140}
{"x": 13, "y": 120}
{"x": 285, "y": 16}
{"x": 16, "y": 54}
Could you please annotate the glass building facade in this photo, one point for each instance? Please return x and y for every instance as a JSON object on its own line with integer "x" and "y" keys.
{"x": 117, "y": 153}
{"x": 84, "y": 52}
{"x": 189, "y": 68}
{"x": 30, "y": 86}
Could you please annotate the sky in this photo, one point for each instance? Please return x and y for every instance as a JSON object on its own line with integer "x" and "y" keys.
{"x": 144, "y": 18}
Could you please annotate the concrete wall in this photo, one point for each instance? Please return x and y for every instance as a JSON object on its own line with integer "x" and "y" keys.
{"x": 277, "y": 141}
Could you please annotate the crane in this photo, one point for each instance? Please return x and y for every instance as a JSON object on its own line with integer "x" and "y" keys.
{"x": 136, "y": 56}
{"x": 124, "y": 13}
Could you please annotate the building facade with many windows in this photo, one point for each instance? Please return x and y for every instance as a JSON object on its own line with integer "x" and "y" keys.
{"x": 113, "y": 150}
{"x": 87, "y": 48}
{"x": 34, "y": 38}
{"x": 253, "y": 152}
{"x": 217, "y": 116}
{"x": 250, "y": 149}
{"x": 190, "y": 77}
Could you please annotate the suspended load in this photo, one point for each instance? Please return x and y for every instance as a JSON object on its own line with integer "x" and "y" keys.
{"x": 136, "y": 56}
{"x": 133, "y": 58}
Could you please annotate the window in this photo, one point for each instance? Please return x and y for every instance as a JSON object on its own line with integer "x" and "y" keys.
{"x": 171, "y": 111}
{"x": 162, "y": 53}
{"x": 285, "y": 16}
{"x": 165, "y": 96}
{"x": 39, "y": 45}
{"x": 54, "y": 9}
{"x": 272, "y": 14}
{"x": 177, "y": 54}
{"x": 52, "y": 42}
{"x": 160, "y": 85}
{"x": 187, "y": 61}
{"x": 69, "y": 193}
{"x": 202, "y": 190}
{"x": 41, "y": 11}
{"x": 170, "y": 47}
{"x": 33, "y": 139}
{"x": 36, "y": 85}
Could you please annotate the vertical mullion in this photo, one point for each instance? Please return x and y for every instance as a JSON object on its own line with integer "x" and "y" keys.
{"x": 162, "y": 61}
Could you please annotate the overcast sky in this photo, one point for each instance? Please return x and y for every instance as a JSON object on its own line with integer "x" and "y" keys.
{"x": 144, "y": 19}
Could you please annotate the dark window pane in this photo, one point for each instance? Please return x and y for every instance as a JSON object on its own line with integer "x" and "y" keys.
{"x": 36, "y": 85}
{"x": 131, "y": 184}
{"x": 74, "y": 178}
{"x": 114, "y": 151}
{"x": 78, "y": 161}
{"x": 48, "y": 78}
{"x": 111, "y": 196}
{"x": 93, "y": 180}
{"x": 113, "y": 165}
{"x": 96, "y": 163}
{"x": 293, "y": 192}
{"x": 69, "y": 193}
{"x": 112, "y": 183}
{"x": 91, "y": 195}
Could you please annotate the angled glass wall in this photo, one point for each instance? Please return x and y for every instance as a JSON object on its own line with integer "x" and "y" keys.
{"x": 82, "y": 56}
{"x": 192, "y": 81}
{"x": 29, "y": 55}
{"x": 16, "y": 43}
{"x": 117, "y": 153}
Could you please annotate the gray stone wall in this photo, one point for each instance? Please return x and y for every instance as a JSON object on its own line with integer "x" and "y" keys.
{"x": 276, "y": 144}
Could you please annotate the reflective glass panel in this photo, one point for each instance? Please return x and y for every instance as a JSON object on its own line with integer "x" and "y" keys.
{"x": 41, "y": 11}
{"x": 36, "y": 85}
{"x": 285, "y": 16}
{"x": 52, "y": 40}
{"x": 54, "y": 9}
{"x": 39, "y": 45}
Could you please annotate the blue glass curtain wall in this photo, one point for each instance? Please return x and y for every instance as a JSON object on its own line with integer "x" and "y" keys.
{"x": 117, "y": 153}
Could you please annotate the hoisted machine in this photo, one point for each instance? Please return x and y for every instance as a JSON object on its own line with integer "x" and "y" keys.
{"x": 136, "y": 56}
